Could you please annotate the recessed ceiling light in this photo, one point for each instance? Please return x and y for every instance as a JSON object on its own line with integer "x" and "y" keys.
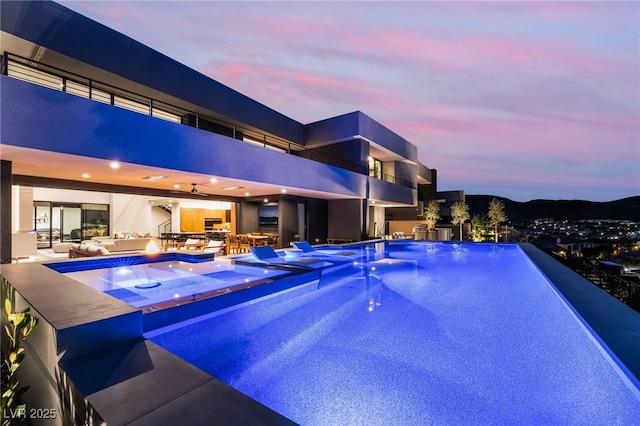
{"x": 86, "y": 175}
{"x": 176, "y": 186}
{"x": 213, "y": 180}
{"x": 246, "y": 194}
{"x": 154, "y": 178}
{"x": 114, "y": 165}
{"x": 283, "y": 190}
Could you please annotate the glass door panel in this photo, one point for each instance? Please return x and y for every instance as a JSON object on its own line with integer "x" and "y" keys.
{"x": 42, "y": 224}
{"x": 378, "y": 169}
{"x": 70, "y": 222}
{"x": 95, "y": 220}
{"x": 66, "y": 222}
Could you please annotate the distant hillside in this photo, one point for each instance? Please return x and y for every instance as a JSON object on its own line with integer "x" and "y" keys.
{"x": 624, "y": 209}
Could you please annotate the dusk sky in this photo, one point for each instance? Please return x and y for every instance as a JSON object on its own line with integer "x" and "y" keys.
{"x": 523, "y": 100}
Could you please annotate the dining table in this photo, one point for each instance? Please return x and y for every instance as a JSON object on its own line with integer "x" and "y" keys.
{"x": 257, "y": 240}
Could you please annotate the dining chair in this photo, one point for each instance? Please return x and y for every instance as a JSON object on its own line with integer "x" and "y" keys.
{"x": 244, "y": 244}
{"x": 233, "y": 244}
{"x": 273, "y": 241}
{"x": 263, "y": 241}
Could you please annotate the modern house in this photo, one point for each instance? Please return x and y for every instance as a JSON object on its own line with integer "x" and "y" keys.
{"x": 101, "y": 135}
{"x": 80, "y": 99}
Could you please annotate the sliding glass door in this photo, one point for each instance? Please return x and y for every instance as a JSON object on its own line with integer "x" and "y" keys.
{"x": 42, "y": 224}
{"x": 95, "y": 220}
{"x": 69, "y": 222}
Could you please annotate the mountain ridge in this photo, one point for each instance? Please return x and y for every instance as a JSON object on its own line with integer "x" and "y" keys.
{"x": 517, "y": 211}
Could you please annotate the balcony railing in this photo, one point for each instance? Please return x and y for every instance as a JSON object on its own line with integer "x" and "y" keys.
{"x": 398, "y": 181}
{"x": 321, "y": 157}
{"x": 619, "y": 286}
{"x": 55, "y": 78}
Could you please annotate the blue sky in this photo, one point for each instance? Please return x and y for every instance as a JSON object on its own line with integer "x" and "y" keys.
{"x": 524, "y": 100}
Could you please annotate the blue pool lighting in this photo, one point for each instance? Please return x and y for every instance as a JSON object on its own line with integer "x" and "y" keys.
{"x": 408, "y": 332}
{"x": 424, "y": 334}
{"x": 149, "y": 286}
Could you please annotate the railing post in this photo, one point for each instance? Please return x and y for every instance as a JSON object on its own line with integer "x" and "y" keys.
{"x": 5, "y": 63}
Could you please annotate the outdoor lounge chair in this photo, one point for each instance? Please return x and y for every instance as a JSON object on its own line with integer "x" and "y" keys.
{"x": 193, "y": 244}
{"x": 308, "y": 249}
{"x": 214, "y": 246}
{"x": 267, "y": 254}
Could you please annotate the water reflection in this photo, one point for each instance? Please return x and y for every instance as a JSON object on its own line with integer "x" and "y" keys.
{"x": 459, "y": 253}
{"x": 431, "y": 251}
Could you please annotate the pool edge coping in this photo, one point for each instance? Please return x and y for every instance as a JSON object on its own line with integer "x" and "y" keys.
{"x": 615, "y": 325}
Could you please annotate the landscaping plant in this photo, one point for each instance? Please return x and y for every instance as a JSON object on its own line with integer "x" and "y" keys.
{"x": 17, "y": 328}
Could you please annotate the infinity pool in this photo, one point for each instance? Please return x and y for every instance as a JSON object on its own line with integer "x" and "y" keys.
{"x": 421, "y": 333}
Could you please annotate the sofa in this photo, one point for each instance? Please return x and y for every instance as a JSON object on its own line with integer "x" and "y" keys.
{"x": 101, "y": 246}
{"x": 120, "y": 244}
{"x": 87, "y": 250}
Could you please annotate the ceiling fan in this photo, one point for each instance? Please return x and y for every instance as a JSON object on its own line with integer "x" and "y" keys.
{"x": 194, "y": 190}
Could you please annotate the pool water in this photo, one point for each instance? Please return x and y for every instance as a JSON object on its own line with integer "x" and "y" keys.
{"x": 151, "y": 285}
{"x": 429, "y": 333}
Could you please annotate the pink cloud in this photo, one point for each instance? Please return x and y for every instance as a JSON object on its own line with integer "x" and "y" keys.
{"x": 544, "y": 92}
{"x": 231, "y": 72}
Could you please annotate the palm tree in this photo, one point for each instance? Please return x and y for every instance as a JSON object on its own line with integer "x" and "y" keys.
{"x": 496, "y": 215}
{"x": 459, "y": 214}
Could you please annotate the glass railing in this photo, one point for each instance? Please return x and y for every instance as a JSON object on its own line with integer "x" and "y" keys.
{"x": 18, "y": 67}
{"x": 396, "y": 180}
{"x": 332, "y": 161}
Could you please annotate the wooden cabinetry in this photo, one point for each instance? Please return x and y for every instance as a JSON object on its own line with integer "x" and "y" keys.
{"x": 192, "y": 219}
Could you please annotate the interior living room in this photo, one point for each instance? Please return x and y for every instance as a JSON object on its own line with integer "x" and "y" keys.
{"x": 69, "y": 217}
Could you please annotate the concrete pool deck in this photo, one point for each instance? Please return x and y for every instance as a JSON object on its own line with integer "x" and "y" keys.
{"x": 89, "y": 347}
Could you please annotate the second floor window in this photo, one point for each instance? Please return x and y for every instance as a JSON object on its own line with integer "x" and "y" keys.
{"x": 375, "y": 168}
